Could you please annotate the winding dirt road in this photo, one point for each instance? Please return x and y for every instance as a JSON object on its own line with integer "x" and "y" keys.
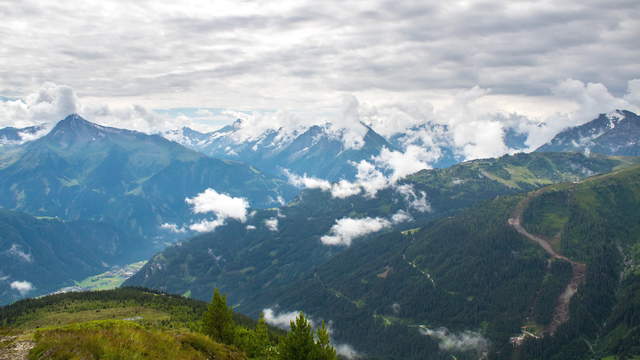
{"x": 561, "y": 310}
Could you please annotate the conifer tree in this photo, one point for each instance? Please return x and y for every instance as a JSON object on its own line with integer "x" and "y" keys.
{"x": 218, "y": 321}
{"x": 324, "y": 350}
{"x": 262, "y": 334}
{"x": 299, "y": 344}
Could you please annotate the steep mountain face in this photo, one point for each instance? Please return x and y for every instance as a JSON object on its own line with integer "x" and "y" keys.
{"x": 615, "y": 133}
{"x": 254, "y": 262}
{"x": 316, "y": 151}
{"x": 81, "y": 170}
{"x": 472, "y": 286}
{"x": 14, "y": 136}
{"x": 50, "y": 253}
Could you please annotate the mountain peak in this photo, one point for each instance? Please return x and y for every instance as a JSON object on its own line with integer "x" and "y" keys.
{"x": 73, "y": 121}
{"x": 74, "y": 129}
{"x": 613, "y": 133}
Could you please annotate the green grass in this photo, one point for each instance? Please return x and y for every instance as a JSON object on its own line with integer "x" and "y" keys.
{"x": 117, "y": 339}
{"x": 110, "y": 279}
{"x": 57, "y": 318}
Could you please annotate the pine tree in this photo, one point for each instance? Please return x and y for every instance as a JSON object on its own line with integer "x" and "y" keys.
{"x": 218, "y": 321}
{"x": 324, "y": 350}
{"x": 298, "y": 344}
{"x": 262, "y": 335}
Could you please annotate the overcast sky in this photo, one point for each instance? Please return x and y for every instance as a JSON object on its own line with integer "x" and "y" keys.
{"x": 304, "y": 56}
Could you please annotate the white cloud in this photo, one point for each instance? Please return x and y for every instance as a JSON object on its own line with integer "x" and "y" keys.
{"x": 633, "y": 93}
{"x": 281, "y": 320}
{"x": 370, "y": 179}
{"x": 347, "y": 351}
{"x": 307, "y": 182}
{"x": 344, "y": 189}
{"x": 271, "y": 224}
{"x": 206, "y": 225}
{"x": 464, "y": 341}
{"x": 23, "y": 287}
{"x": 222, "y": 206}
{"x": 250, "y": 227}
{"x": 400, "y": 217}
{"x": 346, "y": 229}
{"x": 341, "y": 189}
{"x": 416, "y": 202}
{"x": 348, "y": 126}
{"x": 16, "y": 250}
{"x": 173, "y": 228}
{"x": 53, "y": 102}
{"x": 412, "y": 160}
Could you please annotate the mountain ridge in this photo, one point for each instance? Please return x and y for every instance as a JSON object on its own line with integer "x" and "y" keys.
{"x": 614, "y": 133}
{"x": 81, "y": 170}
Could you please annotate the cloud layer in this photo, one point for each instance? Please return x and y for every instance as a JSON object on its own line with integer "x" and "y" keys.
{"x": 297, "y": 53}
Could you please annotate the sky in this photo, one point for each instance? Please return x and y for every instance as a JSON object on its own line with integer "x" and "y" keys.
{"x": 153, "y": 65}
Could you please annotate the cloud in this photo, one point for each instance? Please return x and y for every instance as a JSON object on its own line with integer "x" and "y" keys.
{"x": 347, "y": 351}
{"x": 207, "y": 225}
{"x": 342, "y": 189}
{"x": 307, "y": 182}
{"x": 173, "y": 228}
{"x": 250, "y": 227}
{"x": 370, "y": 179}
{"x": 415, "y": 201}
{"x": 222, "y": 206}
{"x": 16, "y": 250}
{"x": 281, "y": 320}
{"x": 400, "y": 217}
{"x": 346, "y": 229}
{"x": 23, "y": 287}
{"x": 296, "y": 54}
{"x": 271, "y": 224}
{"x": 464, "y": 341}
{"x": 413, "y": 159}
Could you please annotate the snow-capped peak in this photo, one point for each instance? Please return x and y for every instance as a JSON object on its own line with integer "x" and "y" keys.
{"x": 615, "y": 117}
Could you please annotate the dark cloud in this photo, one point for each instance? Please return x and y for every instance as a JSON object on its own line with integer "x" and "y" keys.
{"x": 303, "y": 50}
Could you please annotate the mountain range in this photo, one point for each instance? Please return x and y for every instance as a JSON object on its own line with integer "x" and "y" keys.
{"x": 466, "y": 279}
{"x": 615, "y": 133}
{"x": 137, "y": 182}
{"x": 317, "y": 151}
{"x": 16, "y": 136}
{"x": 524, "y": 256}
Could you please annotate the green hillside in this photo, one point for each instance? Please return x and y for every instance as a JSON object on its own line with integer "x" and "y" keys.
{"x": 45, "y": 254}
{"x": 260, "y": 268}
{"x": 126, "y": 323}
{"x": 474, "y": 275}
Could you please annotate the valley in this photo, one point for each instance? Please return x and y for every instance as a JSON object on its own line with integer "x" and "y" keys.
{"x": 320, "y": 180}
{"x": 455, "y": 261}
